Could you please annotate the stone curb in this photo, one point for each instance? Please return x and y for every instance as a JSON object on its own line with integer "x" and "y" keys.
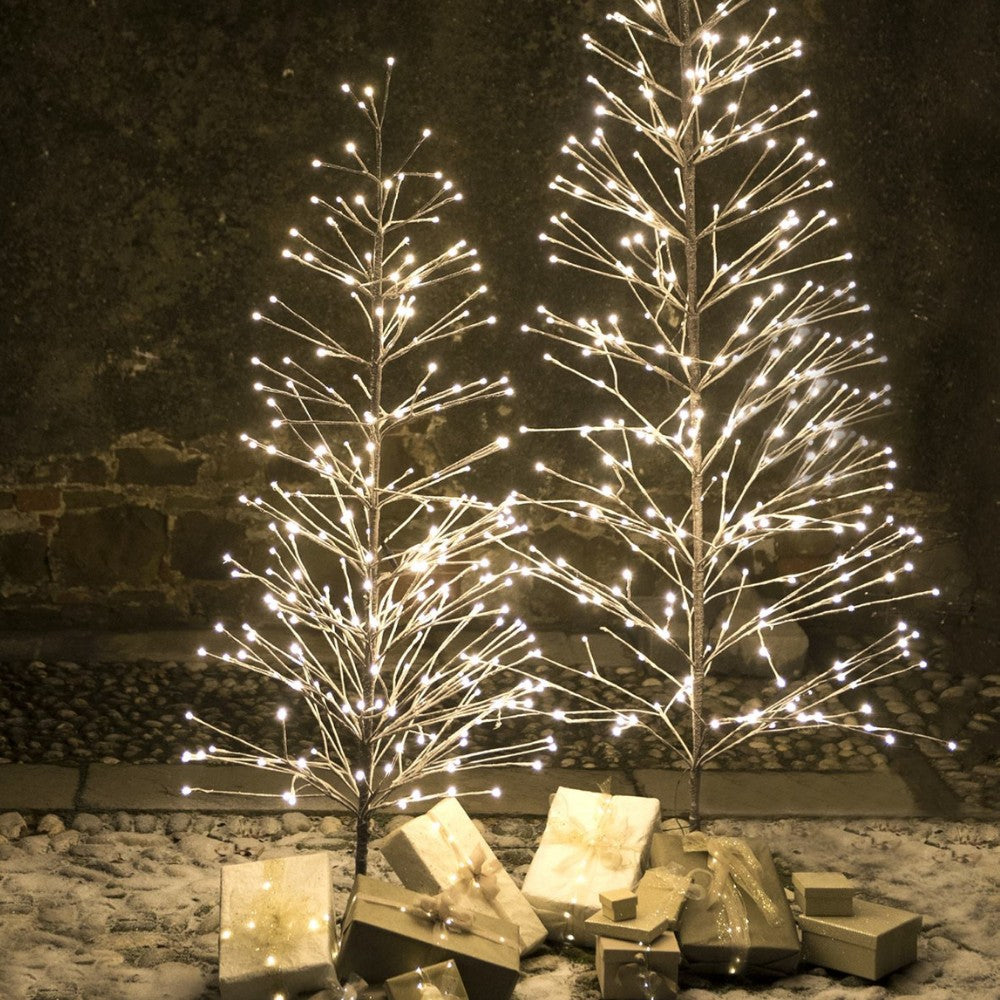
{"x": 757, "y": 794}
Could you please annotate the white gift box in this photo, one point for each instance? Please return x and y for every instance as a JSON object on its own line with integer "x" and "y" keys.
{"x": 593, "y": 842}
{"x": 277, "y": 932}
{"x": 442, "y": 850}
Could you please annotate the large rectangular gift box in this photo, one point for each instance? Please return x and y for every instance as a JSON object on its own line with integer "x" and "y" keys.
{"x": 627, "y": 971}
{"x": 441, "y": 981}
{"x": 742, "y": 920}
{"x": 388, "y": 930}
{"x": 592, "y": 842}
{"x": 276, "y": 927}
{"x": 443, "y": 850}
{"x": 872, "y": 942}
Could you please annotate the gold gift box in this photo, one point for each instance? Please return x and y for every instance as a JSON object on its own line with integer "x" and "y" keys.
{"x": 823, "y": 894}
{"x": 443, "y": 976}
{"x": 622, "y": 966}
{"x": 773, "y": 947}
{"x": 872, "y": 942}
{"x": 385, "y": 933}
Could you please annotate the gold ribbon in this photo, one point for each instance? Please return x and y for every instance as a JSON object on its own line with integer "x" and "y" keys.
{"x": 734, "y": 875}
{"x": 441, "y": 911}
{"x": 607, "y": 841}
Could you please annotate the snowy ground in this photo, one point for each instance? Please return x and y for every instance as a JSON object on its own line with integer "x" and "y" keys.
{"x": 125, "y": 907}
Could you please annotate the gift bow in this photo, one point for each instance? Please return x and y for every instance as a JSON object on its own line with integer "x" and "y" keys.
{"x": 429, "y": 990}
{"x": 734, "y": 875}
{"x": 479, "y": 873}
{"x": 650, "y": 981}
{"x": 608, "y": 842}
{"x": 442, "y": 909}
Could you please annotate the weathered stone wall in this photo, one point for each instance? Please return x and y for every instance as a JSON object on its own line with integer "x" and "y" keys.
{"x": 154, "y": 154}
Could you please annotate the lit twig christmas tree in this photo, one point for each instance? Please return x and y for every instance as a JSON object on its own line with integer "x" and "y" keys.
{"x": 396, "y": 654}
{"x": 732, "y": 366}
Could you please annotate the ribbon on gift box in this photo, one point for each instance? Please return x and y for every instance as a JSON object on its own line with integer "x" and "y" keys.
{"x": 670, "y": 878}
{"x": 442, "y": 911}
{"x": 429, "y": 990}
{"x": 607, "y": 841}
{"x": 475, "y": 874}
{"x": 734, "y": 873}
{"x": 650, "y": 981}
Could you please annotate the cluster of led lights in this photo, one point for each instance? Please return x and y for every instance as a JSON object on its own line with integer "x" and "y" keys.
{"x": 401, "y": 659}
{"x": 798, "y": 377}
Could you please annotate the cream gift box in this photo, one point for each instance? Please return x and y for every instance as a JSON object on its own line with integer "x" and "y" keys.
{"x": 872, "y": 942}
{"x": 592, "y": 842}
{"x": 276, "y": 927}
{"x": 742, "y": 922}
{"x": 823, "y": 894}
{"x": 443, "y": 850}
{"x": 626, "y": 971}
{"x": 388, "y": 931}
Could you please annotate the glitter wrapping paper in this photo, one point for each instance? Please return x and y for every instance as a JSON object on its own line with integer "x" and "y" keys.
{"x": 277, "y": 928}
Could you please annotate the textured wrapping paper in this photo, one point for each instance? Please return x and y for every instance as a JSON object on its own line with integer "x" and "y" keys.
{"x": 276, "y": 927}
{"x": 872, "y": 942}
{"x": 388, "y": 931}
{"x": 593, "y": 842}
{"x": 441, "y": 981}
{"x": 626, "y": 971}
{"x": 443, "y": 850}
{"x": 742, "y": 922}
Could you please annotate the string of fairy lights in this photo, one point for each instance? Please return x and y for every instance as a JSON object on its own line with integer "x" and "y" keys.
{"x": 734, "y": 362}
{"x": 724, "y": 367}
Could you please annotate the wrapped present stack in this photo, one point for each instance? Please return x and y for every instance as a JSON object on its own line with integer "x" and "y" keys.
{"x": 852, "y": 935}
{"x": 650, "y": 904}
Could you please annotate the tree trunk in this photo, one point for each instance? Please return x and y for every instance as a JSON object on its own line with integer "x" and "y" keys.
{"x": 692, "y": 324}
{"x": 363, "y": 835}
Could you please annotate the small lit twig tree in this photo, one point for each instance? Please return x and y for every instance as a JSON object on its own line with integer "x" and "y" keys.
{"x": 721, "y": 366}
{"x": 397, "y": 658}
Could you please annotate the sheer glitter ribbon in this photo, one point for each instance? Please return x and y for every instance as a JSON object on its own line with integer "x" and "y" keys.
{"x": 734, "y": 875}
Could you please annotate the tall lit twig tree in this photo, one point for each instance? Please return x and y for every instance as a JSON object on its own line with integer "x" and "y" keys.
{"x": 732, "y": 365}
{"x": 396, "y": 652}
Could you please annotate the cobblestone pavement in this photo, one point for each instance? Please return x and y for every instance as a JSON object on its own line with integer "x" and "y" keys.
{"x": 70, "y": 713}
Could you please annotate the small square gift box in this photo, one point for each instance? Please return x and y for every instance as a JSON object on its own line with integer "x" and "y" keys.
{"x": 442, "y": 850}
{"x": 742, "y": 921}
{"x": 593, "y": 842}
{"x": 627, "y": 971}
{"x": 618, "y": 904}
{"x": 872, "y": 942}
{"x": 659, "y": 897}
{"x": 388, "y": 931}
{"x": 441, "y": 981}
{"x": 823, "y": 894}
{"x": 276, "y": 932}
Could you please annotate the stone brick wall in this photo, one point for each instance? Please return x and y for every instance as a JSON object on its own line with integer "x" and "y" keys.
{"x": 127, "y": 538}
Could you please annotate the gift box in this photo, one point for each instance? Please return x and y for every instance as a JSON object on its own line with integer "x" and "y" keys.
{"x": 823, "y": 894}
{"x": 442, "y": 981}
{"x": 619, "y": 904}
{"x": 388, "y": 931}
{"x": 659, "y": 897}
{"x": 627, "y": 971}
{"x": 742, "y": 920}
{"x": 276, "y": 932}
{"x": 443, "y": 850}
{"x": 872, "y": 942}
{"x": 593, "y": 842}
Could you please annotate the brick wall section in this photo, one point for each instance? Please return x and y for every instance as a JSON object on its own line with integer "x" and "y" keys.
{"x": 133, "y": 538}
{"x": 129, "y": 538}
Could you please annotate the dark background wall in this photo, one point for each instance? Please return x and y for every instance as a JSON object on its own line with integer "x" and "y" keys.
{"x": 155, "y": 153}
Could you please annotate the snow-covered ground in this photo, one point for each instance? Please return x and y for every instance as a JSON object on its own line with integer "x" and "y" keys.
{"x": 125, "y": 907}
